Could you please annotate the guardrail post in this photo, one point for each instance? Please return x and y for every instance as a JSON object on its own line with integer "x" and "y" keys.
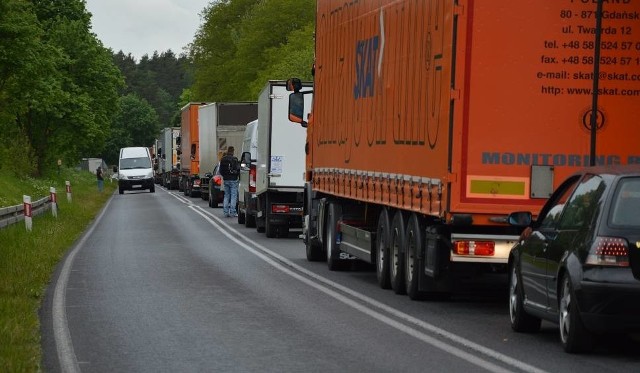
{"x": 28, "y": 222}
{"x": 54, "y": 202}
{"x": 68, "y": 184}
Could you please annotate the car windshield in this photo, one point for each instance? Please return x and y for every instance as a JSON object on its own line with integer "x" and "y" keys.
{"x": 626, "y": 205}
{"x": 131, "y": 163}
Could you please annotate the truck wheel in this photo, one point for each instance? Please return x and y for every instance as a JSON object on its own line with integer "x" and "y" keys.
{"x": 270, "y": 230}
{"x": 241, "y": 217}
{"x": 382, "y": 250}
{"x": 396, "y": 270}
{"x": 334, "y": 213}
{"x": 249, "y": 220}
{"x": 283, "y": 232}
{"x": 414, "y": 245}
{"x": 313, "y": 248}
{"x": 573, "y": 334}
{"x": 521, "y": 321}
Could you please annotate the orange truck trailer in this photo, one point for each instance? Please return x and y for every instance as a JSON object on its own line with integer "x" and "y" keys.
{"x": 433, "y": 120}
{"x": 189, "y": 142}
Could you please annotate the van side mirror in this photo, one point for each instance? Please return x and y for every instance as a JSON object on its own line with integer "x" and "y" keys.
{"x": 245, "y": 159}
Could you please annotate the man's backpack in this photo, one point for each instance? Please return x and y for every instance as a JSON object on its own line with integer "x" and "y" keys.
{"x": 229, "y": 167}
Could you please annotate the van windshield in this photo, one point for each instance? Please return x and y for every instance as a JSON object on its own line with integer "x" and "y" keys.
{"x": 131, "y": 163}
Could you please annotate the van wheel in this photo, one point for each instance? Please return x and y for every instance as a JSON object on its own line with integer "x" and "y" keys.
{"x": 121, "y": 191}
{"x": 249, "y": 221}
{"x": 397, "y": 276}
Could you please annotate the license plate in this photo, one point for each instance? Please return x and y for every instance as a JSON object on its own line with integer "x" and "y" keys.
{"x": 136, "y": 186}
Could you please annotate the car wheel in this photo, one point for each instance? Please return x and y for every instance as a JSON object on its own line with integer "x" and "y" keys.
{"x": 413, "y": 246}
{"x": 334, "y": 213}
{"x": 521, "y": 321}
{"x": 382, "y": 250}
{"x": 573, "y": 334}
{"x": 396, "y": 272}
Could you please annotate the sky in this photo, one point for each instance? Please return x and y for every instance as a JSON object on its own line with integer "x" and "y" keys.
{"x": 141, "y": 27}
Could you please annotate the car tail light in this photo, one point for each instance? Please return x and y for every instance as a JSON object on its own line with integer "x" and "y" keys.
{"x": 196, "y": 182}
{"x": 280, "y": 209}
{"x": 484, "y": 248}
{"x": 252, "y": 179}
{"x": 217, "y": 180}
{"x": 609, "y": 251}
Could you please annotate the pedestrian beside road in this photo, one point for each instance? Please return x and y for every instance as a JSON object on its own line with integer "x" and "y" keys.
{"x": 100, "y": 178}
{"x": 230, "y": 171}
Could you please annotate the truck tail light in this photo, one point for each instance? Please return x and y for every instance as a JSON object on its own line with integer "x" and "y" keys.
{"x": 483, "y": 248}
{"x": 280, "y": 209}
{"x": 252, "y": 178}
{"x": 609, "y": 251}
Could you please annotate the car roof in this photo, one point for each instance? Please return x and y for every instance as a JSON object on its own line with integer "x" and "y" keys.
{"x": 613, "y": 170}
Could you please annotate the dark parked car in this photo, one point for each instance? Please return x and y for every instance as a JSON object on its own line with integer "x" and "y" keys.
{"x": 216, "y": 188}
{"x": 578, "y": 264}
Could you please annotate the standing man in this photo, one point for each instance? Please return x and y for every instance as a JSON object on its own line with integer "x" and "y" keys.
{"x": 230, "y": 171}
{"x": 100, "y": 179}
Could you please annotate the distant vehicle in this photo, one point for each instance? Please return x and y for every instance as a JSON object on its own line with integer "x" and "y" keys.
{"x": 135, "y": 170}
{"x": 280, "y": 162}
{"x": 578, "y": 264}
{"x": 247, "y": 201}
{"x": 220, "y": 125}
{"x": 215, "y": 188}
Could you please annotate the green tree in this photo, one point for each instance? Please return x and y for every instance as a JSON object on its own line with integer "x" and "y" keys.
{"x": 135, "y": 124}
{"x": 26, "y": 70}
{"x": 71, "y": 119}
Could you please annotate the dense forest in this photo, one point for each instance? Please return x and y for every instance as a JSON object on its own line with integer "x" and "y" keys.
{"x": 65, "y": 96}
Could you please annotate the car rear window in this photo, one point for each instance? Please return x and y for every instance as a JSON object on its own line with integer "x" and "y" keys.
{"x": 626, "y": 204}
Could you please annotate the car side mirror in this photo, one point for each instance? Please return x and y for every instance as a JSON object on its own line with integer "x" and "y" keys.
{"x": 520, "y": 219}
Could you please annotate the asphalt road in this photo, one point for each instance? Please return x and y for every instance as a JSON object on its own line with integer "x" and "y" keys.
{"x": 163, "y": 283}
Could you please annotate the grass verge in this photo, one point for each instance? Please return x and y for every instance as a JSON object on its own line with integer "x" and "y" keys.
{"x": 28, "y": 259}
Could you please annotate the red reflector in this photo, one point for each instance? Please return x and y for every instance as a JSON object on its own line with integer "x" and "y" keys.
{"x": 282, "y": 209}
{"x": 483, "y": 248}
{"x": 609, "y": 251}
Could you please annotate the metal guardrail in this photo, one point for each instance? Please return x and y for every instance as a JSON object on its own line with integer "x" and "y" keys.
{"x": 14, "y": 214}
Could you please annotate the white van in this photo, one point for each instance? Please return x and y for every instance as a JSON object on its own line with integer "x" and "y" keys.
{"x": 135, "y": 170}
{"x": 247, "y": 185}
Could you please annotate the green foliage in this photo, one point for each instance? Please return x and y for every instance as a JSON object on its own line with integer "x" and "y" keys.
{"x": 244, "y": 43}
{"x": 135, "y": 124}
{"x": 28, "y": 259}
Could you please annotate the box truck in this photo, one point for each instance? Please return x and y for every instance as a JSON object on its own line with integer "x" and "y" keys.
{"x": 280, "y": 163}
{"x": 433, "y": 120}
{"x": 169, "y": 168}
{"x": 188, "y": 143}
{"x": 221, "y": 124}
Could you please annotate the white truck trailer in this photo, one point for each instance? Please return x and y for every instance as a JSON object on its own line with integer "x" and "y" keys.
{"x": 220, "y": 125}
{"x": 280, "y": 164}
